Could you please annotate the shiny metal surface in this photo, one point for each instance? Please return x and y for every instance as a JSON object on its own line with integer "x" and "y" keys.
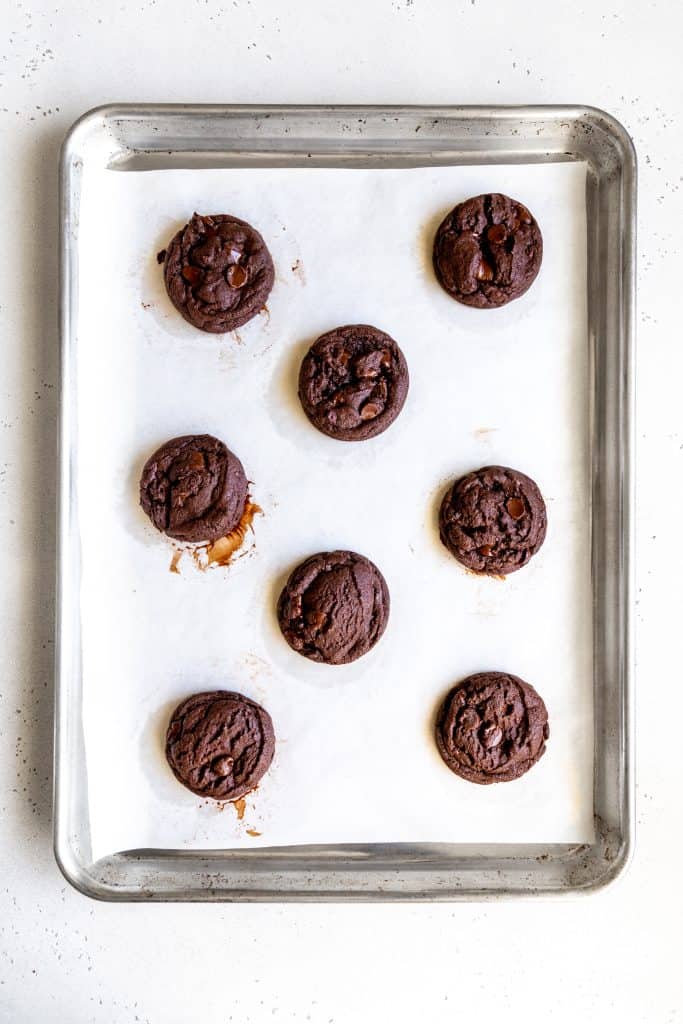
{"x": 133, "y": 137}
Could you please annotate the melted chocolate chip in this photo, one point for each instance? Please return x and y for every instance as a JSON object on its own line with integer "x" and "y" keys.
{"x": 237, "y": 276}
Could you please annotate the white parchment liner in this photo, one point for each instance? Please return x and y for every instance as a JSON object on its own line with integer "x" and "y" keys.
{"x": 355, "y": 759}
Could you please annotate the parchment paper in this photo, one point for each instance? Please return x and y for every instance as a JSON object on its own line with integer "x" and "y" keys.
{"x": 355, "y": 759}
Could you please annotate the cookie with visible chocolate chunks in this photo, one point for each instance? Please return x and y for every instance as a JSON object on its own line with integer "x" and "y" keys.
{"x": 353, "y": 382}
{"x": 220, "y": 744}
{"x": 492, "y": 727}
{"x": 493, "y": 520}
{"x": 194, "y": 488}
{"x": 488, "y": 251}
{"x": 334, "y": 607}
{"x": 218, "y": 272}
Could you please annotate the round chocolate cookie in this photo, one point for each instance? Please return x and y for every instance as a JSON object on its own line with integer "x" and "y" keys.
{"x": 334, "y": 607}
{"x": 487, "y": 251}
{"x": 220, "y": 744}
{"x": 218, "y": 272}
{"x": 492, "y": 727}
{"x": 493, "y": 520}
{"x": 353, "y": 382}
{"x": 193, "y": 488}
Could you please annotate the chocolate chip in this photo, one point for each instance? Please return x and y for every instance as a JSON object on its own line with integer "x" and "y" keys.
{"x": 496, "y": 233}
{"x": 515, "y": 507}
{"x": 315, "y": 619}
{"x": 223, "y": 765}
{"x": 491, "y": 735}
{"x": 161, "y": 256}
{"x": 236, "y": 276}
{"x": 369, "y": 411}
{"x": 469, "y": 719}
{"x": 368, "y": 365}
{"x": 485, "y": 550}
{"x": 381, "y": 391}
{"x": 192, "y": 275}
{"x": 485, "y": 271}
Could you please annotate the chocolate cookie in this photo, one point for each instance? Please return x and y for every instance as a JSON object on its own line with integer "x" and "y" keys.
{"x": 218, "y": 272}
{"x": 220, "y": 744}
{"x": 493, "y": 520}
{"x": 492, "y": 727}
{"x": 353, "y": 382}
{"x": 334, "y": 607}
{"x": 193, "y": 488}
{"x": 487, "y": 251}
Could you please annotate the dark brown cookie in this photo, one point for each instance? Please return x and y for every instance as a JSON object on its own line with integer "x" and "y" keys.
{"x": 334, "y": 607}
{"x": 218, "y": 272}
{"x": 220, "y": 744}
{"x": 488, "y": 251}
{"x": 493, "y": 520}
{"x": 193, "y": 488}
{"x": 353, "y": 382}
{"x": 492, "y": 727}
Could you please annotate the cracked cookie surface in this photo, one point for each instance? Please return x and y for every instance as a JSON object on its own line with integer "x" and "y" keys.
{"x": 334, "y": 607}
{"x": 487, "y": 251}
{"x": 193, "y": 488}
{"x": 492, "y": 727}
{"x": 218, "y": 272}
{"x": 220, "y": 744}
{"x": 493, "y": 520}
{"x": 353, "y": 382}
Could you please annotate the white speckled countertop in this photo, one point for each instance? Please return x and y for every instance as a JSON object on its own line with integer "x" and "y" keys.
{"x": 67, "y": 960}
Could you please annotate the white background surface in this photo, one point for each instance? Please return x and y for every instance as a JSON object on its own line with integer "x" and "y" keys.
{"x": 355, "y": 756}
{"x": 615, "y": 957}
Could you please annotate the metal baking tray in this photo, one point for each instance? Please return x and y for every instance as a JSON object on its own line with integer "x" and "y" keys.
{"x": 134, "y": 137}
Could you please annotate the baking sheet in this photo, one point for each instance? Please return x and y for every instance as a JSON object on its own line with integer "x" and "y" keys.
{"x": 355, "y": 761}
